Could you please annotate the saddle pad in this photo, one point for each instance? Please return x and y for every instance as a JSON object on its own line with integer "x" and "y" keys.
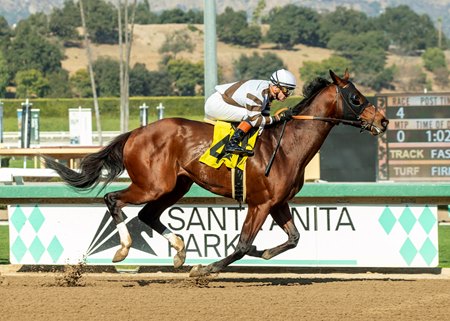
{"x": 215, "y": 156}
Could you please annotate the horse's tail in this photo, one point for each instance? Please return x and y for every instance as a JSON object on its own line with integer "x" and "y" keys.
{"x": 109, "y": 158}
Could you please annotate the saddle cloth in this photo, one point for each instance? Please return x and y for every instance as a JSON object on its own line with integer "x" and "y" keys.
{"x": 215, "y": 156}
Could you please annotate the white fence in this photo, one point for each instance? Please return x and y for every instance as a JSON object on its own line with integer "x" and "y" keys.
{"x": 19, "y": 175}
{"x": 11, "y": 139}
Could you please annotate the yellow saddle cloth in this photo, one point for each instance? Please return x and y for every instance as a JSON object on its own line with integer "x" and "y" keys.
{"x": 215, "y": 156}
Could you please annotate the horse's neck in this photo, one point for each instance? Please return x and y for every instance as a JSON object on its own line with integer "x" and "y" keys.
{"x": 309, "y": 135}
{"x": 324, "y": 104}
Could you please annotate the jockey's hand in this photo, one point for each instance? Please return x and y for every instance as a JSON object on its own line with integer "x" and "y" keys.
{"x": 285, "y": 115}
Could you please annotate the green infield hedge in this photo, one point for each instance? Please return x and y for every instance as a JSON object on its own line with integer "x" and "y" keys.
{"x": 54, "y": 113}
{"x": 180, "y": 106}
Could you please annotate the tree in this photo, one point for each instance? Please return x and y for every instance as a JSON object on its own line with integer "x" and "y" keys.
{"x": 232, "y": 27}
{"x": 312, "y": 69}
{"x": 342, "y": 19}
{"x": 292, "y": 25}
{"x": 365, "y": 50}
{"x": 194, "y": 17}
{"x": 149, "y": 83}
{"x": 4, "y": 76}
{"x": 101, "y": 21}
{"x": 250, "y": 37}
{"x": 64, "y": 21}
{"x": 433, "y": 59}
{"x": 159, "y": 83}
{"x": 179, "y": 16}
{"x": 30, "y": 50}
{"x": 80, "y": 84}
{"x": 5, "y": 33}
{"x": 257, "y": 13}
{"x": 172, "y": 16}
{"x": 139, "y": 80}
{"x": 107, "y": 77}
{"x": 58, "y": 84}
{"x": 407, "y": 30}
{"x": 187, "y": 76}
{"x": 229, "y": 23}
{"x": 378, "y": 80}
{"x": 176, "y": 42}
{"x": 256, "y": 66}
{"x": 144, "y": 15}
{"x": 37, "y": 22}
{"x": 31, "y": 83}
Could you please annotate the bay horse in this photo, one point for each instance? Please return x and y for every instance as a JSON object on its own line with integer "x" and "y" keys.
{"x": 162, "y": 160}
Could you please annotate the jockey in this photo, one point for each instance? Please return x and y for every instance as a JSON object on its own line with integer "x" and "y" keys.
{"x": 248, "y": 102}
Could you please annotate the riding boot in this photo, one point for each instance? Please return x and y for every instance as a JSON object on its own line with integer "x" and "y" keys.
{"x": 233, "y": 144}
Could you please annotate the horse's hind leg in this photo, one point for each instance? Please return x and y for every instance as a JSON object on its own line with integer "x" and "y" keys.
{"x": 134, "y": 194}
{"x": 115, "y": 205}
{"x": 115, "y": 201}
{"x": 150, "y": 214}
{"x": 283, "y": 217}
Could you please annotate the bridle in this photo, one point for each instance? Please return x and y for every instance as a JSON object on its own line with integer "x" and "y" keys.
{"x": 352, "y": 109}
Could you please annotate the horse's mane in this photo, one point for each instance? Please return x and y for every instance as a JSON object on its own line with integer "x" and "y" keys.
{"x": 310, "y": 90}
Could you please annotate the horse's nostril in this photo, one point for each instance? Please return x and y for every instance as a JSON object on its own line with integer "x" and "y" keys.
{"x": 385, "y": 123}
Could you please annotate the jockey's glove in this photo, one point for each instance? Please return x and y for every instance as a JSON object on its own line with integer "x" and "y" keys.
{"x": 285, "y": 115}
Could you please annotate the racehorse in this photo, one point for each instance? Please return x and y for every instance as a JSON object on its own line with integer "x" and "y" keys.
{"x": 162, "y": 160}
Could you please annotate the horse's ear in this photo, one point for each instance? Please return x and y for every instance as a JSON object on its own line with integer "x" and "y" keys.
{"x": 346, "y": 74}
{"x": 336, "y": 79}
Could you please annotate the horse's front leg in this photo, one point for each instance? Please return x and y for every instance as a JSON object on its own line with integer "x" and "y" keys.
{"x": 256, "y": 216}
{"x": 115, "y": 205}
{"x": 283, "y": 217}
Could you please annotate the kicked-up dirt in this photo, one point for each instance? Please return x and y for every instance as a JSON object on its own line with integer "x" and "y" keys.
{"x": 71, "y": 295}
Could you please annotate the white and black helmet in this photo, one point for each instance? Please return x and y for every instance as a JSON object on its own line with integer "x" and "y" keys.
{"x": 283, "y": 78}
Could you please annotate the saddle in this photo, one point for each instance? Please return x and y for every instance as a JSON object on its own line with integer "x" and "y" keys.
{"x": 216, "y": 156}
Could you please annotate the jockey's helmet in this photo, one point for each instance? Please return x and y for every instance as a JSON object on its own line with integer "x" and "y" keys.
{"x": 283, "y": 78}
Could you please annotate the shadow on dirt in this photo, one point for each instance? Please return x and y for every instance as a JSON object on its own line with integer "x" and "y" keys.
{"x": 218, "y": 282}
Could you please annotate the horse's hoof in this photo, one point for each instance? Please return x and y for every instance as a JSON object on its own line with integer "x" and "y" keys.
{"x": 120, "y": 255}
{"x": 179, "y": 258}
{"x": 198, "y": 271}
{"x": 266, "y": 255}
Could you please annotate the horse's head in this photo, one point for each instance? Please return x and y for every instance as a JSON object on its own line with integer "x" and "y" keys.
{"x": 357, "y": 108}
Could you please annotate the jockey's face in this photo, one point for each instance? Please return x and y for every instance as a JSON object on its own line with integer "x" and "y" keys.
{"x": 277, "y": 93}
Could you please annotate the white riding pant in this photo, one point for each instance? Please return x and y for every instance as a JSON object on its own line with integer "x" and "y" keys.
{"x": 217, "y": 109}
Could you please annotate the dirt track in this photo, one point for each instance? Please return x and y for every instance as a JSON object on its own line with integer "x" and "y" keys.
{"x": 228, "y": 296}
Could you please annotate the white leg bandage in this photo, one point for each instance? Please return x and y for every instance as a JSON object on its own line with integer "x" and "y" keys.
{"x": 170, "y": 236}
{"x": 123, "y": 233}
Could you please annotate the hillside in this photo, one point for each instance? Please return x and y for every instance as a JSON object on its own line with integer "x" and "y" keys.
{"x": 149, "y": 38}
{"x": 14, "y": 10}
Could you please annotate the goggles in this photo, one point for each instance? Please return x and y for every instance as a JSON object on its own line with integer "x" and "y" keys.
{"x": 286, "y": 91}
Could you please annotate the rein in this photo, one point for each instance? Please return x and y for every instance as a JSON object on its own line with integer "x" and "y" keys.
{"x": 340, "y": 92}
{"x": 356, "y": 123}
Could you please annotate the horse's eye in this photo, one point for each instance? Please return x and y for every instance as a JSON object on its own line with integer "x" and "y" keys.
{"x": 354, "y": 99}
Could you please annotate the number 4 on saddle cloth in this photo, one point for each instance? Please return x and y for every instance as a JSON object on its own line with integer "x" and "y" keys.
{"x": 216, "y": 156}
